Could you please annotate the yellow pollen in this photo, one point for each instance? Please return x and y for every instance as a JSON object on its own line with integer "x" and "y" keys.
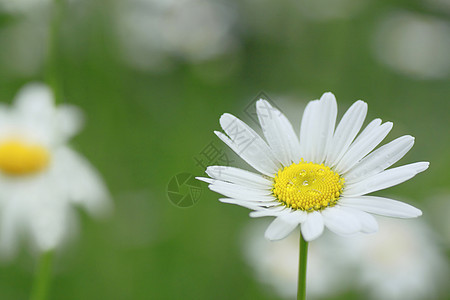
{"x": 18, "y": 158}
{"x": 307, "y": 186}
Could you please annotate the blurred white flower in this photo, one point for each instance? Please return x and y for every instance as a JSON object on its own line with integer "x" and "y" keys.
{"x": 153, "y": 32}
{"x": 276, "y": 264}
{"x": 22, "y": 6}
{"x": 439, "y": 5}
{"x": 41, "y": 177}
{"x": 439, "y": 206}
{"x": 404, "y": 262}
{"x": 415, "y": 45}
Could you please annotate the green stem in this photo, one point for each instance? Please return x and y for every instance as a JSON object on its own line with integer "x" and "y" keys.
{"x": 42, "y": 280}
{"x": 303, "y": 256}
{"x": 53, "y": 76}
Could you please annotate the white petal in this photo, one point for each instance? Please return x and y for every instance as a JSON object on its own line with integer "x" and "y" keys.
{"x": 380, "y": 159}
{"x": 236, "y": 191}
{"x": 243, "y": 203}
{"x": 261, "y": 190}
{"x": 33, "y": 113}
{"x": 384, "y": 179}
{"x": 366, "y": 142}
{"x": 340, "y": 221}
{"x": 381, "y": 206}
{"x": 49, "y": 223}
{"x": 85, "y": 187}
{"x": 368, "y": 130}
{"x": 269, "y": 212}
{"x": 69, "y": 120}
{"x": 238, "y": 176}
{"x": 327, "y": 124}
{"x": 255, "y": 203}
{"x": 248, "y": 144}
{"x": 283, "y": 225}
{"x": 279, "y": 133}
{"x": 307, "y": 129}
{"x": 368, "y": 222}
{"x": 34, "y": 98}
{"x": 312, "y": 228}
{"x": 318, "y": 127}
{"x": 346, "y": 131}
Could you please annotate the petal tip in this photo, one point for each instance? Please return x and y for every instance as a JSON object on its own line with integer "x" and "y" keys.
{"x": 272, "y": 236}
{"x": 204, "y": 179}
{"x": 418, "y": 212}
{"x": 313, "y": 227}
{"x": 361, "y": 102}
{"x": 308, "y": 238}
{"x": 225, "y": 117}
{"x": 218, "y": 133}
{"x": 422, "y": 166}
{"x": 327, "y": 95}
{"x": 269, "y": 237}
{"x": 389, "y": 124}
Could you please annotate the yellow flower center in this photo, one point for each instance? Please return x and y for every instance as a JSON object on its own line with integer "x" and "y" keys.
{"x": 18, "y": 158}
{"x": 307, "y": 186}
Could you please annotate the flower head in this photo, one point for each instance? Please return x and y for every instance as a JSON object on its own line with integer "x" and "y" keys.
{"x": 318, "y": 179}
{"x": 41, "y": 177}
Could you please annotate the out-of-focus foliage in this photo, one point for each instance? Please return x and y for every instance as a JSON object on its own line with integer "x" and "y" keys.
{"x": 153, "y": 77}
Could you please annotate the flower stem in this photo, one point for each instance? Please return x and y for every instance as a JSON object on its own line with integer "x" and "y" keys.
{"x": 303, "y": 256}
{"x": 53, "y": 76}
{"x": 43, "y": 275}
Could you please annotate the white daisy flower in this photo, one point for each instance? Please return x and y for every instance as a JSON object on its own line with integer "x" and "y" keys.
{"x": 41, "y": 177}
{"x": 319, "y": 180}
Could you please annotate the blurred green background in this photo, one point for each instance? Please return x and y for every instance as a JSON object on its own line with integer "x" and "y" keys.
{"x": 153, "y": 78}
